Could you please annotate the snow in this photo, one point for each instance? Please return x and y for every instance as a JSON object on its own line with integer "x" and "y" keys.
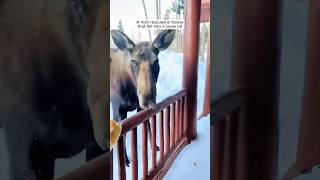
{"x": 194, "y": 161}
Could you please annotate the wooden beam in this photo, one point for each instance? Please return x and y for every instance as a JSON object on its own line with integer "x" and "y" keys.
{"x": 256, "y": 62}
{"x": 205, "y": 11}
{"x": 95, "y": 169}
{"x": 308, "y": 144}
{"x": 190, "y": 64}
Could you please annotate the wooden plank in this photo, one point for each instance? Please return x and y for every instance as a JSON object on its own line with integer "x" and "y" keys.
{"x": 144, "y": 115}
{"x": 227, "y": 102}
{"x": 255, "y": 65}
{"x": 161, "y": 135}
{"x": 190, "y": 63}
{"x": 144, "y": 150}
{"x": 121, "y": 159}
{"x": 134, "y": 154}
{"x": 153, "y": 141}
{"x": 164, "y": 166}
{"x": 205, "y": 11}
{"x": 95, "y": 169}
{"x": 167, "y": 121}
{"x": 173, "y": 126}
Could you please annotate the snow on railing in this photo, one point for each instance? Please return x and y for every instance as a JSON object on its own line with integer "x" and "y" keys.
{"x": 172, "y": 138}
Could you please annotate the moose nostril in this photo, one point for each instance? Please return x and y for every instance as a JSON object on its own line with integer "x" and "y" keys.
{"x": 146, "y": 105}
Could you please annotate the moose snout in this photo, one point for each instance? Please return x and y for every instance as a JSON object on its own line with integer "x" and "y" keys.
{"x": 146, "y": 101}
{"x": 149, "y": 104}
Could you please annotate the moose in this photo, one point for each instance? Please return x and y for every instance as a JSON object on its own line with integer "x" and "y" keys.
{"x": 134, "y": 73}
{"x": 53, "y": 82}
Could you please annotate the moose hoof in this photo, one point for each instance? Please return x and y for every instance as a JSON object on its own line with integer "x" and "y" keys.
{"x": 128, "y": 163}
{"x": 157, "y": 148}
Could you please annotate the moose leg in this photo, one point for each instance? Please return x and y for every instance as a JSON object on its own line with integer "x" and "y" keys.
{"x": 118, "y": 115}
{"x": 149, "y": 131}
{"x": 123, "y": 115}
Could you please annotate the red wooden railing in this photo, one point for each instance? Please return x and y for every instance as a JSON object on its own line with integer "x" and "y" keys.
{"x": 171, "y": 122}
{"x": 95, "y": 169}
{"x": 227, "y": 111}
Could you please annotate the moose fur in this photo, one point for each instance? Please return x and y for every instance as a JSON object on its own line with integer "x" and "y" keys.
{"x": 134, "y": 73}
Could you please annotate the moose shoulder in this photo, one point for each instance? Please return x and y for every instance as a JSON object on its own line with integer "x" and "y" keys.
{"x": 134, "y": 73}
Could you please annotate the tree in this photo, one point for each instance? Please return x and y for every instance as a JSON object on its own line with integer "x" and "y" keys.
{"x": 178, "y": 7}
{"x": 166, "y": 15}
{"x": 120, "y": 27}
{"x": 145, "y": 12}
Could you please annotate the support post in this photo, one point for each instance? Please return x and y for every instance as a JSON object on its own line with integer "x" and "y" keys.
{"x": 190, "y": 64}
{"x": 206, "y": 100}
{"x": 255, "y": 65}
{"x": 308, "y": 144}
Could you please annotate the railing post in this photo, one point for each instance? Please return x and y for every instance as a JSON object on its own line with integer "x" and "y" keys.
{"x": 256, "y": 61}
{"x": 190, "y": 64}
{"x": 110, "y": 164}
{"x": 308, "y": 143}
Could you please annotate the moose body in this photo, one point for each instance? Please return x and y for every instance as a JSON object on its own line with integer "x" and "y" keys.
{"x": 134, "y": 73}
{"x": 52, "y": 82}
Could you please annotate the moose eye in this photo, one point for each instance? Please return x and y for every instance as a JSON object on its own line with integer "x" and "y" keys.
{"x": 134, "y": 63}
{"x": 156, "y": 62}
{"x": 77, "y": 9}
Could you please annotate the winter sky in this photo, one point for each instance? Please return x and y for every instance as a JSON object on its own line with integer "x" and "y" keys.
{"x": 129, "y": 11}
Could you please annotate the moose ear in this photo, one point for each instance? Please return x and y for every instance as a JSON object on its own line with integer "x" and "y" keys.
{"x": 164, "y": 39}
{"x": 122, "y": 41}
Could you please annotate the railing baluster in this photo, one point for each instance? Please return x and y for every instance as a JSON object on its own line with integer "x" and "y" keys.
{"x": 234, "y": 120}
{"x": 173, "y": 127}
{"x": 121, "y": 159}
{"x": 134, "y": 154}
{"x": 182, "y": 115}
{"x": 153, "y": 141}
{"x": 167, "y": 148}
{"x": 177, "y": 120}
{"x": 161, "y": 135}
{"x": 144, "y": 150}
{"x": 111, "y": 165}
{"x": 218, "y": 150}
{"x": 181, "y": 119}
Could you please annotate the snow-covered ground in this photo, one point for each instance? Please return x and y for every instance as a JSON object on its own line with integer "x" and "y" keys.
{"x": 194, "y": 161}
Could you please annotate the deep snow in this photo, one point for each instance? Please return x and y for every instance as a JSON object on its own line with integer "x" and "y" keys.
{"x": 194, "y": 161}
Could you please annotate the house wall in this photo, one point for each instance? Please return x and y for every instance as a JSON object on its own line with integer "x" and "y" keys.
{"x": 293, "y": 52}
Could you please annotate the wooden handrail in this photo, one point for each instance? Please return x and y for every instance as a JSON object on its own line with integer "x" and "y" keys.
{"x": 139, "y": 118}
{"x": 172, "y": 141}
{"x": 95, "y": 169}
{"x": 227, "y": 102}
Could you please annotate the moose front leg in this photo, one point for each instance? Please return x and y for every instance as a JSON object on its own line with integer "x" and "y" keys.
{"x": 149, "y": 131}
{"x": 123, "y": 115}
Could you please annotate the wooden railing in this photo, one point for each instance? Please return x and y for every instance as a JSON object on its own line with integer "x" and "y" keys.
{"x": 227, "y": 110}
{"x": 169, "y": 116}
{"x": 95, "y": 169}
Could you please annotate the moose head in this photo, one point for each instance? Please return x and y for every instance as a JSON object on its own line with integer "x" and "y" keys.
{"x": 144, "y": 62}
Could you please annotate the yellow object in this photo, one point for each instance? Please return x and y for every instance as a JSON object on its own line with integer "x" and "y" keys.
{"x": 115, "y": 132}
